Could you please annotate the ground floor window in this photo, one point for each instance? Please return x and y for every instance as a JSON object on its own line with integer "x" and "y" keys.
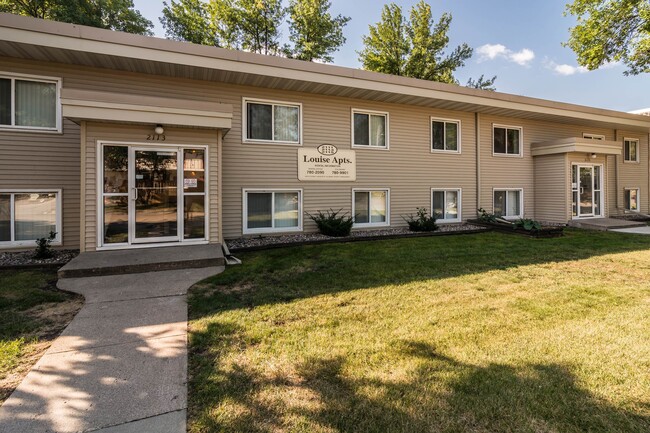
{"x": 28, "y": 215}
{"x": 508, "y": 203}
{"x": 445, "y": 204}
{"x": 632, "y": 199}
{"x": 272, "y": 211}
{"x": 370, "y": 207}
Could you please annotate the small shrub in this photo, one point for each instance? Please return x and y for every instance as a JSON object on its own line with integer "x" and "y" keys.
{"x": 421, "y": 222}
{"x": 527, "y": 224}
{"x": 44, "y": 247}
{"x": 332, "y": 224}
{"x": 485, "y": 216}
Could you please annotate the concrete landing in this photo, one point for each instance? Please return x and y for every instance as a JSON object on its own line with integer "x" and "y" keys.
{"x": 645, "y": 230}
{"x": 605, "y": 224}
{"x": 131, "y": 261}
{"x": 121, "y": 364}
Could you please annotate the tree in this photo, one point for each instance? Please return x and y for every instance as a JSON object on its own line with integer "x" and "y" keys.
{"x": 258, "y": 23}
{"x": 315, "y": 33}
{"x": 107, "y": 14}
{"x": 482, "y": 83}
{"x": 611, "y": 31}
{"x": 413, "y": 48}
{"x": 189, "y": 21}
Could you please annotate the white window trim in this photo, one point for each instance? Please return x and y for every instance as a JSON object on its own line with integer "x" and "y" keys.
{"x": 638, "y": 198}
{"x": 459, "y": 191}
{"x": 245, "y": 139}
{"x": 369, "y": 113}
{"x": 593, "y": 136}
{"x": 521, "y": 202}
{"x": 43, "y": 79}
{"x": 369, "y": 224}
{"x": 458, "y": 135}
{"x": 247, "y": 231}
{"x": 601, "y": 191}
{"x": 58, "y": 223}
{"x": 521, "y": 141}
{"x": 638, "y": 157}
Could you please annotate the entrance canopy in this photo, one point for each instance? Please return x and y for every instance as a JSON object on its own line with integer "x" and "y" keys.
{"x": 577, "y": 144}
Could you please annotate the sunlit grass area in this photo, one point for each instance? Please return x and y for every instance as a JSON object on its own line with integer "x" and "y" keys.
{"x": 474, "y": 333}
{"x": 32, "y": 314}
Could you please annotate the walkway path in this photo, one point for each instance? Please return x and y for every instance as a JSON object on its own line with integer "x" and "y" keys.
{"x": 121, "y": 364}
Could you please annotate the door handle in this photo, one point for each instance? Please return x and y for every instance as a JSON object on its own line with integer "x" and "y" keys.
{"x": 135, "y": 196}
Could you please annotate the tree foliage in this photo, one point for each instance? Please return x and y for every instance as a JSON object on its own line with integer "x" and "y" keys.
{"x": 611, "y": 31}
{"x": 413, "y": 47}
{"x": 107, "y": 14}
{"x": 482, "y": 83}
{"x": 315, "y": 33}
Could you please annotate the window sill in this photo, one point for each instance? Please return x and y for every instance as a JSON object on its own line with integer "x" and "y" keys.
{"x": 370, "y": 225}
{"x": 29, "y": 130}
{"x": 271, "y": 231}
{"x": 361, "y": 146}
{"x": 631, "y": 162}
{"x": 507, "y": 155}
{"x": 26, "y": 244}
{"x": 273, "y": 143}
{"x": 453, "y": 152}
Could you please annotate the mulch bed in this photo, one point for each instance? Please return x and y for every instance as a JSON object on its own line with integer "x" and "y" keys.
{"x": 554, "y": 231}
{"x": 26, "y": 260}
{"x": 267, "y": 242}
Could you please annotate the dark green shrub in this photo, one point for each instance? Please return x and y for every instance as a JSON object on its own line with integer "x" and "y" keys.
{"x": 421, "y": 222}
{"x": 527, "y": 224}
{"x": 332, "y": 224}
{"x": 485, "y": 216}
{"x": 44, "y": 247}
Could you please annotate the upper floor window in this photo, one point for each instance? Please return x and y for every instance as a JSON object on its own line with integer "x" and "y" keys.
{"x": 507, "y": 140}
{"x": 593, "y": 136}
{"x": 369, "y": 129}
{"x": 29, "y": 103}
{"x": 631, "y": 150}
{"x": 445, "y": 135}
{"x": 274, "y": 122}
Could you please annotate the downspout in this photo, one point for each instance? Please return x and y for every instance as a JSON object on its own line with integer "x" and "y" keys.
{"x": 82, "y": 189}
{"x": 616, "y": 177}
{"x": 477, "y": 131}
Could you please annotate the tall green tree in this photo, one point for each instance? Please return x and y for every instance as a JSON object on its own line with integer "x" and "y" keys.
{"x": 611, "y": 31}
{"x": 258, "y": 23}
{"x": 190, "y": 21}
{"x": 315, "y": 33}
{"x": 118, "y": 15}
{"x": 387, "y": 47}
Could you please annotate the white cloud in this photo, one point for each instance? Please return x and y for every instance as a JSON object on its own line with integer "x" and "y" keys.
{"x": 566, "y": 70}
{"x": 493, "y": 51}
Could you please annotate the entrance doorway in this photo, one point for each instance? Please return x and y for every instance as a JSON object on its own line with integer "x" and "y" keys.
{"x": 586, "y": 185}
{"x": 152, "y": 195}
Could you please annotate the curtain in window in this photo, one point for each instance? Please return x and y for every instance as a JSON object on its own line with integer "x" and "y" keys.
{"x": 287, "y": 123}
{"x": 35, "y": 215}
{"x": 5, "y": 101}
{"x": 286, "y": 209}
{"x": 513, "y": 141}
{"x": 260, "y": 207}
{"x": 259, "y": 122}
{"x": 632, "y": 151}
{"x": 378, "y": 131}
{"x": 35, "y": 104}
{"x": 513, "y": 203}
{"x": 452, "y": 136}
{"x": 499, "y": 203}
{"x": 361, "y": 206}
{"x": 361, "y": 129}
{"x": 5, "y": 218}
{"x": 378, "y": 207}
{"x": 451, "y": 209}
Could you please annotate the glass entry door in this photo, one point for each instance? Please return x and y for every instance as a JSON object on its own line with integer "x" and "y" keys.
{"x": 586, "y": 189}
{"x": 155, "y": 201}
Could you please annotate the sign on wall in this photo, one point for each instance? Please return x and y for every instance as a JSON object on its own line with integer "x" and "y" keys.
{"x": 326, "y": 162}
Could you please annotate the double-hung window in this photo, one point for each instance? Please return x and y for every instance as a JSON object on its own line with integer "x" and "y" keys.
{"x": 369, "y": 129}
{"x": 631, "y": 150}
{"x": 445, "y": 135}
{"x": 507, "y": 140}
{"x": 272, "y": 122}
{"x": 445, "y": 205}
{"x": 591, "y": 136}
{"x": 28, "y": 102}
{"x": 370, "y": 207}
{"x": 508, "y": 203}
{"x": 272, "y": 211}
{"x": 29, "y": 215}
{"x": 632, "y": 199}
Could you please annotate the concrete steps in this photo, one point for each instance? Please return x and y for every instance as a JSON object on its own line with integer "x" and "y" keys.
{"x": 131, "y": 261}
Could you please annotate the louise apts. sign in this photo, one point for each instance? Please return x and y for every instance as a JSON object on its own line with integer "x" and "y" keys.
{"x": 326, "y": 162}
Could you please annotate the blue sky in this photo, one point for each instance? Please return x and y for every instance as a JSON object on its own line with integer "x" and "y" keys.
{"x": 520, "y": 41}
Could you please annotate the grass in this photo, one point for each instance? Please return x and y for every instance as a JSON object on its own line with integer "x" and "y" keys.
{"x": 476, "y": 333}
{"x": 32, "y": 314}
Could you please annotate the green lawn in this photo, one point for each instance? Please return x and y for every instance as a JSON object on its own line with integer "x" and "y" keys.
{"x": 32, "y": 313}
{"x": 475, "y": 333}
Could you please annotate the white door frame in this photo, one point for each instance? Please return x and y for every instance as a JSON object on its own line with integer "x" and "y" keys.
{"x": 600, "y": 191}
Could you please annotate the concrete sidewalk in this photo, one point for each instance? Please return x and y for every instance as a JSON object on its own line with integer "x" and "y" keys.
{"x": 121, "y": 364}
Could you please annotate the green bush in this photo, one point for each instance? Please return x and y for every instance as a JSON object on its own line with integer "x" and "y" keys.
{"x": 527, "y": 224}
{"x": 44, "y": 247}
{"x": 333, "y": 224}
{"x": 421, "y": 222}
{"x": 485, "y": 216}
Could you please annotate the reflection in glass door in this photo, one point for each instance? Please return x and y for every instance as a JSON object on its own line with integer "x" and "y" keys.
{"x": 586, "y": 191}
{"x": 156, "y": 195}
{"x": 586, "y": 181}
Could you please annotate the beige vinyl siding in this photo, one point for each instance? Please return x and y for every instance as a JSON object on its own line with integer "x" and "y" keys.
{"x": 136, "y": 135}
{"x": 552, "y": 195}
{"x": 45, "y": 161}
{"x": 633, "y": 174}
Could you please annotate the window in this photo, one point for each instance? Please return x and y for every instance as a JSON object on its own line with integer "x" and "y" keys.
{"x": 632, "y": 199}
{"x": 445, "y": 135}
{"x": 508, "y": 203}
{"x": 194, "y": 194}
{"x": 273, "y": 122}
{"x": 369, "y": 129}
{"x": 445, "y": 205}
{"x": 272, "y": 211}
{"x": 370, "y": 207}
{"x": 631, "y": 150}
{"x": 507, "y": 140}
{"x": 29, "y": 103}
{"x": 593, "y": 136}
{"x": 28, "y": 215}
